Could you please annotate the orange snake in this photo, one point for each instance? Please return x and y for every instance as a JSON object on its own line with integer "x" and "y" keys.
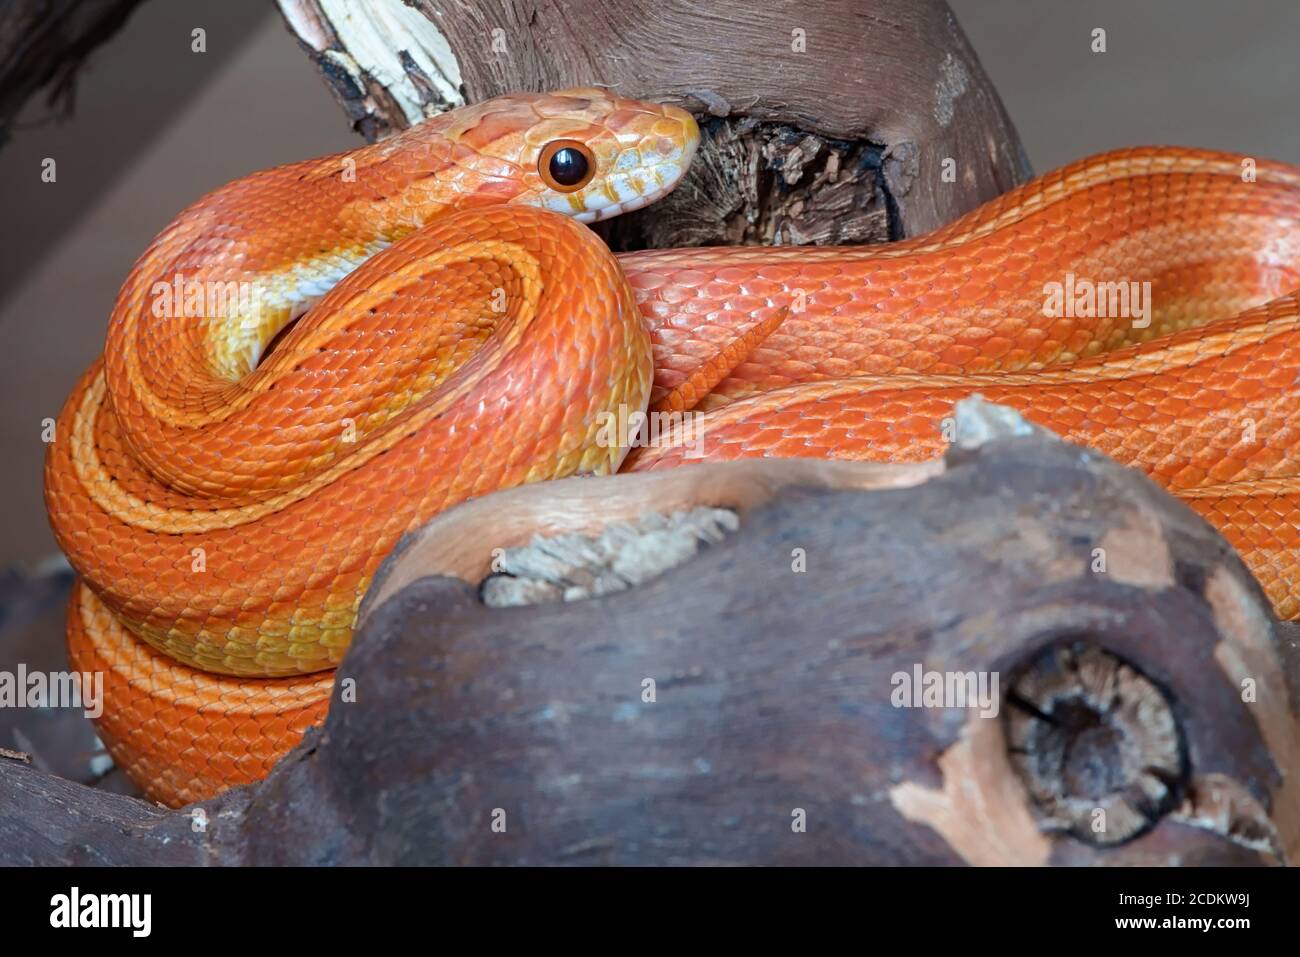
{"x": 226, "y": 495}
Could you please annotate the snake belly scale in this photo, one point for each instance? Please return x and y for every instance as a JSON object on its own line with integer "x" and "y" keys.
{"x": 444, "y": 326}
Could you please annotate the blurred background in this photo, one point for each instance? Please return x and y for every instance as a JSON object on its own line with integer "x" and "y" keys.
{"x": 136, "y": 151}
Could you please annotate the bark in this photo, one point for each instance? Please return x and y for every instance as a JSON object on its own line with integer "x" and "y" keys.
{"x": 825, "y": 121}
{"x": 1122, "y": 735}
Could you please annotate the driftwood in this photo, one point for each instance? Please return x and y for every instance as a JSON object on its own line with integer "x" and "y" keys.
{"x": 1122, "y": 628}
{"x": 825, "y": 121}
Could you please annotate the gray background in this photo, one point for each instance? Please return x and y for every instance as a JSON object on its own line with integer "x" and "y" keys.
{"x": 1222, "y": 74}
{"x": 1214, "y": 74}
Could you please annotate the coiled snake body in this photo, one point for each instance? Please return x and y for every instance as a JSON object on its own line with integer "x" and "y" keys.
{"x": 226, "y": 496}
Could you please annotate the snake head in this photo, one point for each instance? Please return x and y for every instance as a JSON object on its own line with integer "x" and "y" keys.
{"x": 586, "y": 153}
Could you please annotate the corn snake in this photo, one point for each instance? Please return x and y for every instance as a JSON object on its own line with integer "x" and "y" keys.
{"x": 226, "y": 502}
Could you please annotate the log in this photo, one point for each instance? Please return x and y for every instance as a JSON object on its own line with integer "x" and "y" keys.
{"x": 825, "y": 121}
{"x": 747, "y": 705}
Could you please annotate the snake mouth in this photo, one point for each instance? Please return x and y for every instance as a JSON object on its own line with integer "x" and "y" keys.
{"x": 659, "y": 160}
{"x": 627, "y": 206}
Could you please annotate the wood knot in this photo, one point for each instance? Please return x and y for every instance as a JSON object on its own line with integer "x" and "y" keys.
{"x": 1096, "y": 743}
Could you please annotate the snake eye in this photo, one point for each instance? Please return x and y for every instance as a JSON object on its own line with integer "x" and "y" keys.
{"x": 566, "y": 165}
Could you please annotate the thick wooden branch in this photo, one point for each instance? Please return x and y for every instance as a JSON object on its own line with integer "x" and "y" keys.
{"x": 825, "y": 122}
{"x": 706, "y": 713}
